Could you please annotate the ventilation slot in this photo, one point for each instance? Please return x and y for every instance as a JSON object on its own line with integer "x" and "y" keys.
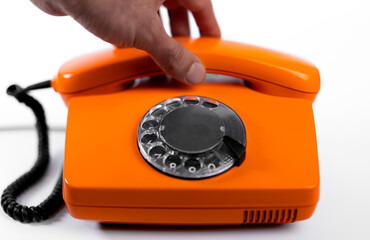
{"x": 270, "y": 216}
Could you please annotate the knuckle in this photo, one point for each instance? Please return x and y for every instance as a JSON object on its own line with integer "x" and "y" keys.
{"x": 120, "y": 38}
{"x": 148, "y": 34}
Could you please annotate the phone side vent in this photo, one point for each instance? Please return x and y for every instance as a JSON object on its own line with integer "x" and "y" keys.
{"x": 270, "y": 216}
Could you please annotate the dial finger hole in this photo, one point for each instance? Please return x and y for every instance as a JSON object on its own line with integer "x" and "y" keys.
{"x": 191, "y": 100}
{"x": 210, "y": 103}
{"x": 211, "y": 166}
{"x": 173, "y": 103}
{"x": 157, "y": 151}
{"x": 172, "y": 161}
{"x": 192, "y": 165}
{"x": 159, "y": 112}
{"x": 149, "y": 138}
{"x": 150, "y": 124}
{"x": 212, "y": 163}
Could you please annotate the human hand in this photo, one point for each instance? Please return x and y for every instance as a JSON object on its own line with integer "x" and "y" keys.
{"x": 136, "y": 23}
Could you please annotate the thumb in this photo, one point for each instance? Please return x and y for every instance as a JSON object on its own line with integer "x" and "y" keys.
{"x": 175, "y": 59}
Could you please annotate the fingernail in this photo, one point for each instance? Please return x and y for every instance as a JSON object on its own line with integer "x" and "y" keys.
{"x": 195, "y": 74}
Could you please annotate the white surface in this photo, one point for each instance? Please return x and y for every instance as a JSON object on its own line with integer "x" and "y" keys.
{"x": 334, "y": 35}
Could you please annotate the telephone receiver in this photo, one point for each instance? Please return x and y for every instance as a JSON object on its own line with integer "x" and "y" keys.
{"x": 263, "y": 70}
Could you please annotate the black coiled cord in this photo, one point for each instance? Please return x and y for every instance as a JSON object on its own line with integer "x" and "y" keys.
{"x": 41, "y": 212}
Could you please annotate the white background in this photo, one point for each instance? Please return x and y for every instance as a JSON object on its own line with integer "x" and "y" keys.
{"x": 332, "y": 34}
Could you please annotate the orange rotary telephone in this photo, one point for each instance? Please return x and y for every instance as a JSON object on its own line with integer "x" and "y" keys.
{"x": 216, "y": 153}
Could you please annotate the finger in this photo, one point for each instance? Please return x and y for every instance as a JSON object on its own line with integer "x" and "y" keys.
{"x": 170, "y": 55}
{"x": 203, "y": 13}
{"x": 179, "y": 20}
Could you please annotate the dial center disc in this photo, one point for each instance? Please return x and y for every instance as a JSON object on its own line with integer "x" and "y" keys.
{"x": 192, "y": 129}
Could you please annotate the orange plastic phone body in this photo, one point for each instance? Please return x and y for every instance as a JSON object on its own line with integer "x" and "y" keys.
{"x": 107, "y": 180}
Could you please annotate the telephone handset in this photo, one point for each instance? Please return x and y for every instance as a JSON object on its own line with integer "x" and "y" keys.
{"x": 215, "y": 153}
{"x": 265, "y": 70}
